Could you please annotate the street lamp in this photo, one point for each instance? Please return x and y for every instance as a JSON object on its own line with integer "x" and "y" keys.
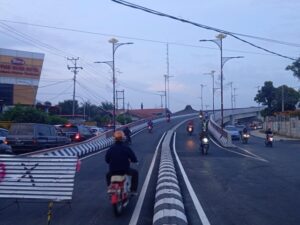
{"x": 219, "y": 41}
{"x": 115, "y": 46}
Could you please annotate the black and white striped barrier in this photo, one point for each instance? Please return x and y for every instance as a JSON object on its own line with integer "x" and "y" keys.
{"x": 168, "y": 208}
{"x": 94, "y": 144}
{"x": 82, "y": 149}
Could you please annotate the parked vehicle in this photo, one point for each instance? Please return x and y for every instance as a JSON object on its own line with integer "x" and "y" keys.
{"x": 77, "y": 133}
{"x": 4, "y": 148}
{"x": 3, "y": 134}
{"x": 25, "y": 137}
{"x": 96, "y": 130}
{"x": 233, "y": 131}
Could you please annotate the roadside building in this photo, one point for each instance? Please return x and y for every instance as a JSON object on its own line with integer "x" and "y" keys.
{"x": 20, "y": 73}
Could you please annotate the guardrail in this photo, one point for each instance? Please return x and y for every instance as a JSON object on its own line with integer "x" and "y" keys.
{"x": 220, "y": 134}
{"x": 97, "y": 143}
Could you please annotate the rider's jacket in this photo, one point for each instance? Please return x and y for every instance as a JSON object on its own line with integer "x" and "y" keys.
{"x": 119, "y": 157}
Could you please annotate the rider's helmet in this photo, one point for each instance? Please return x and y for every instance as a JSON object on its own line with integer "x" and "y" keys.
{"x": 119, "y": 135}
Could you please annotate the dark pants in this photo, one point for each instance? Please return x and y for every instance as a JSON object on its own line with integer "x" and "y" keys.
{"x": 131, "y": 172}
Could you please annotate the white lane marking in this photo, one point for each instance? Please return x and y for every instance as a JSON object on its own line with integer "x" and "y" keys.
{"x": 173, "y": 201}
{"x": 169, "y": 213}
{"x": 138, "y": 206}
{"x": 238, "y": 153}
{"x": 196, "y": 202}
{"x": 245, "y": 150}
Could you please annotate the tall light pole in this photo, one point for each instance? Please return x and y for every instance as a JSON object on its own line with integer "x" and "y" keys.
{"x": 115, "y": 46}
{"x": 202, "y": 86}
{"x": 212, "y": 73}
{"x": 219, "y": 41}
{"x": 162, "y": 94}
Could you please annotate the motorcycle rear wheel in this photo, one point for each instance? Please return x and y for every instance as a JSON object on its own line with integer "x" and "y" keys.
{"x": 118, "y": 208}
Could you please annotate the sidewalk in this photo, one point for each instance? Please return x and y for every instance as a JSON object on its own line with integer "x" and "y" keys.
{"x": 260, "y": 133}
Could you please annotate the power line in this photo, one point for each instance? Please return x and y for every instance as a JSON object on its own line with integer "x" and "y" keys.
{"x": 234, "y": 35}
{"x": 147, "y": 40}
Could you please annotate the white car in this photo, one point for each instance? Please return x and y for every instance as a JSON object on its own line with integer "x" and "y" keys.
{"x": 233, "y": 131}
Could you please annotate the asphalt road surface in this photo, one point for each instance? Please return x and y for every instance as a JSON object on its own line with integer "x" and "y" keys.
{"x": 248, "y": 185}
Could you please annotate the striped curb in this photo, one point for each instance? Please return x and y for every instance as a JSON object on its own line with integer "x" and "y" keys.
{"x": 169, "y": 207}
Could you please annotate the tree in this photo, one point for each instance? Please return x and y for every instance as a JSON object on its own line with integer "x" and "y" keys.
{"x": 66, "y": 107}
{"x": 290, "y": 98}
{"x": 271, "y": 97}
{"x": 124, "y": 119}
{"x": 21, "y": 114}
{"x": 107, "y": 106}
{"x": 295, "y": 68}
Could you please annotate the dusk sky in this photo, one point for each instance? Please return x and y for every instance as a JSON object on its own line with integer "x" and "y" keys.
{"x": 141, "y": 66}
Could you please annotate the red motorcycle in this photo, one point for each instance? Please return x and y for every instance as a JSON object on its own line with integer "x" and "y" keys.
{"x": 119, "y": 192}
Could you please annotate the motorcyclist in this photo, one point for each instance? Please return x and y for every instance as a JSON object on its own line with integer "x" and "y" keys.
{"x": 268, "y": 132}
{"x": 150, "y": 123}
{"x": 127, "y": 133}
{"x": 168, "y": 117}
{"x": 190, "y": 124}
{"x": 119, "y": 157}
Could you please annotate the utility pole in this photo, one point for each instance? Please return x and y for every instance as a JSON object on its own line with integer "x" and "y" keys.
{"x": 202, "y": 86}
{"x": 282, "y": 99}
{"x": 74, "y": 69}
{"x": 122, "y": 98}
{"x": 212, "y": 73}
{"x": 166, "y": 77}
{"x": 234, "y": 95}
{"x": 231, "y": 93}
{"x": 162, "y": 94}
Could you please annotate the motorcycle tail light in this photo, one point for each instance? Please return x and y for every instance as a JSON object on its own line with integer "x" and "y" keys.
{"x": 77, "y": 136}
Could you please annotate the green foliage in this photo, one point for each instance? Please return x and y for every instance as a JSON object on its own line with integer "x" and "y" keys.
{"x": 66, "y": 107}
{"x": 124, "y": 119}
{"x": 53, "y": 119}
{"x": 102, "y": 120}
{"x": 295, "y": 68}
{"x": 23, "y": 114}
{"x": 107, "y": 106}
{"x": 272, "y": 97}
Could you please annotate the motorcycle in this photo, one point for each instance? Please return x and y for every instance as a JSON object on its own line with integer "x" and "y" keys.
{"x": 245, "y": 138}
{"x": 204, "y": 145}
{"x": 119, "y": 192}
{"x": 190, "y": 130}
{"x": 150, "y": 128}
{"x": 269, "y": 140}
{"x": 127, "y": 140}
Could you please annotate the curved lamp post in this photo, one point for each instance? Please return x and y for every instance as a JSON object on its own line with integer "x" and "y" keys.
{"x": 219, "y": 41}
{"x": 111, "y": 64}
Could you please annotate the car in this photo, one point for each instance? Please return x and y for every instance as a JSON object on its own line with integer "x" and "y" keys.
{"x": 240, "y": 127}
{"x": 96, "y": 130}
{"x": 233, "y": 131}
{"x": 3, "y": 134}
{"x": 77, "y": 133}
{"x": 4, "y": 148}
{"x": 26, "y": 137}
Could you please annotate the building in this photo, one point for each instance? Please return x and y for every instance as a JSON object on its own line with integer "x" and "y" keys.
{"x": 20, "y": 73}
